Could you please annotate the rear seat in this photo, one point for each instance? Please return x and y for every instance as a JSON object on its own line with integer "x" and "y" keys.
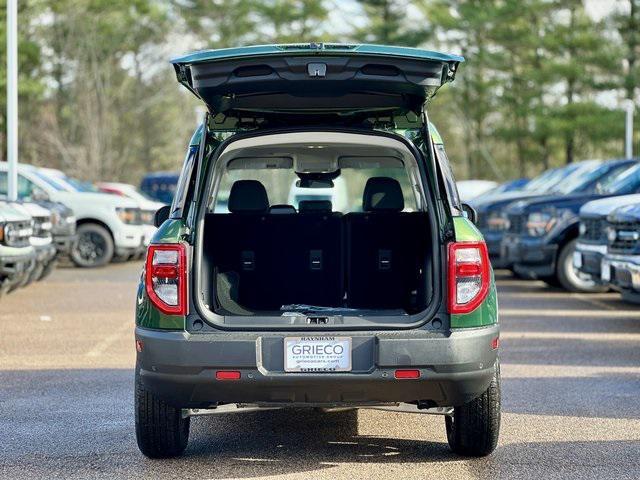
{"x": 385, "y": 264}
{"x": 307, "y": 256}
{"x": 311, "y": 206}
{"x": 275, "y": 257}
{"x": 234, "y": 242}
{"x": 316, "y": 256}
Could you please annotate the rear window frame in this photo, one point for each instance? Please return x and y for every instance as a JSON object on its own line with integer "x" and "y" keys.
{"x": 431, "y": 197}
{"x": 448, "y": 179}
{"x": 184, "y": 187}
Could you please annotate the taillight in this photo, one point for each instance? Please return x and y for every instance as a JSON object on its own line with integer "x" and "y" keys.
{"x": 468, "y": 276}
{"x": 166, "y": 277}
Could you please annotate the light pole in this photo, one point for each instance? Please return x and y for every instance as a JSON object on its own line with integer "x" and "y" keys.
{"x": 12, "y": 97}
{"x": 628, "y": 137}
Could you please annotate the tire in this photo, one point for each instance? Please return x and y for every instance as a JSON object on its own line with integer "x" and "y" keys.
{"x": 474, "y": 427}
{"x": 569, "y": 277}
{"x": 161, "y": 431}
{"x": 94, "y": 247}
{"x": 552, "y": 281}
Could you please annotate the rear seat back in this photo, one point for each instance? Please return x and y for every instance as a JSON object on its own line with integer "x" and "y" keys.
{"x": 385, "y": 259}
{"x": 317, "y": 257}
{"x": 248, "y": 196}
{"x": 276, "y": 259}
{"x": 306, "y": 260}
{"x": 234, "y": 241}
{"x": 313, "y": 206}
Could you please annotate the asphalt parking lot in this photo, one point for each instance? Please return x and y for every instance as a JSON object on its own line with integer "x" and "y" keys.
{"x": 571, "y": 398}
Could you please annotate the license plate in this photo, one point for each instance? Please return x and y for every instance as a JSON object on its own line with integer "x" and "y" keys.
{"x": 577, "y": 259}
{"x": 317, "y": 354}
{"x": 605, "y": 272}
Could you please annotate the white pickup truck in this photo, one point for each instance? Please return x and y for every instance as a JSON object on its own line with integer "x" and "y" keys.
{"x": 108, "y": 225}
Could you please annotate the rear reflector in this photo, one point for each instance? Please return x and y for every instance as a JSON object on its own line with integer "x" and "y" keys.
{"x": 407, "y": 374}
{"x": 495, "y": 343}
{"x": 227, "y": 375}
{"x": 469, "y": 276}
{"x": 166, "y": 277}
{"x": 139, "y": 346}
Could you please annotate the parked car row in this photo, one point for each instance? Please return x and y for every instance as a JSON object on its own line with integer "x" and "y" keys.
{"x": 571, "y": 227}
{"x": 30, "y": 241}
{"x": 608, "y": 247}
{"x": 57, "y": 215}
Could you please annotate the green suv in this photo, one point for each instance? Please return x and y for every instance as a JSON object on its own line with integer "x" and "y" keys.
{"x": 316, "y": 253}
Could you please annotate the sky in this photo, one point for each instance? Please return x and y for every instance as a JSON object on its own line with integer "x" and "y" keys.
{"x": 599, "y": 8}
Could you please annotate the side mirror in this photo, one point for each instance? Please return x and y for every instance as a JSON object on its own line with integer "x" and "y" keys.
{"x": 470, "y": 212}
{"x": 161, "y": 215}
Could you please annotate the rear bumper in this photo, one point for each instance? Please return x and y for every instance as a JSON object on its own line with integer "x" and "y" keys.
{"x": 532, "y": 257}
{"x": 180, "y": 368}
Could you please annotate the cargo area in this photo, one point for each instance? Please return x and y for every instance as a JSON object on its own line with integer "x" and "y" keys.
{"x": 320, "y": 225}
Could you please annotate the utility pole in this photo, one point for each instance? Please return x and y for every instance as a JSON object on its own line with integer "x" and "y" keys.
{"x": 12, "y": 97}
{"x": 628, "y": 137}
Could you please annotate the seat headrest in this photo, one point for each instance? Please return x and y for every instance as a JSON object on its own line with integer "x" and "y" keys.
{"x": 382, "y": 193}
{"x": 315, "y": 206}
{"x": 282, "y": 208}
{"x": 248, "y": 196}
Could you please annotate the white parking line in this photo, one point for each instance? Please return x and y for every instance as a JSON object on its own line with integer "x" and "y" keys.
{"x": 528, "y": 370}
{"x": 562, "y": 295}
{"x": 520, "y": 283}
{"x": 587, "y": 336}
{"x": 592, "y": 301}
{"x": 528, "y": 295}
{"x": 100, "y": 347}
{"x": 559, "y": 313}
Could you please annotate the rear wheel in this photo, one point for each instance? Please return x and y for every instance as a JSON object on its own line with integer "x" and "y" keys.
{"x": 161, "y": 431}
{"x": 94, "y": 247}
{"x": 474, "y": 427}
{"x": 569, "y": 277}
